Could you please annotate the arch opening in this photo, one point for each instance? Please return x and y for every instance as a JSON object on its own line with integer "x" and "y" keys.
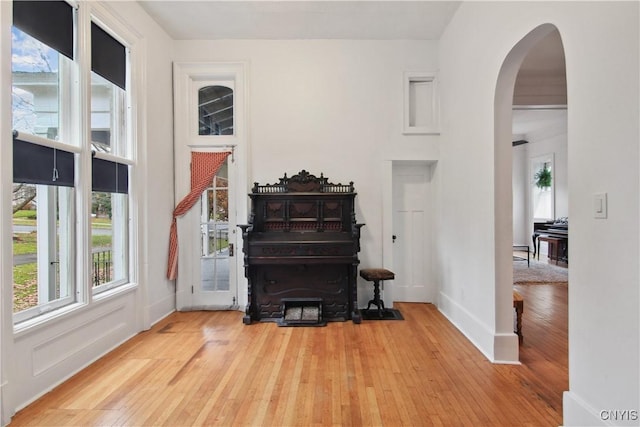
{"x": 518, "y": 89}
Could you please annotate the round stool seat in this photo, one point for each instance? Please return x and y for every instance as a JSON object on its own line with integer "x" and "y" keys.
{"x": 374, "y": 274}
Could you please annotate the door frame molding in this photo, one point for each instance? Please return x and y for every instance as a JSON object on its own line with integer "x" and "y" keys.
{"x": 186, "y": 76}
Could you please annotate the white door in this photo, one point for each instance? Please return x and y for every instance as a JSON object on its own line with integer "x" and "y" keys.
{"x": 209, "y": 112}
{"x": 411, "y": 233}
{"x": 215, "y": 285}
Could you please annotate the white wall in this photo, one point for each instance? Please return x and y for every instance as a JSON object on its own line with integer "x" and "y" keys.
{"x": 39, "y": 357}
{"x": 328, "y": 106}
{"x": 157, "y": 156}
{"x": 602, "y": 135}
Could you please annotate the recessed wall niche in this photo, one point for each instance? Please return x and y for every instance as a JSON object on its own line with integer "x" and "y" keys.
{"x": 421, "y": 105}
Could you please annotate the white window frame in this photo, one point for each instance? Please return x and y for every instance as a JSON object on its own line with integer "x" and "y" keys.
{"x": 76, "y": 123}
{"x": 123, "y": 109}
{"x": 67, "y": 133}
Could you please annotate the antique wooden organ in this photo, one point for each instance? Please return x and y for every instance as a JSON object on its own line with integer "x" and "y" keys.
{"x": 301, "y": 248}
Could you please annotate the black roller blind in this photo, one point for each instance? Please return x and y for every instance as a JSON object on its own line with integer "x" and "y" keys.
{"x": 108, "y": 57}
{"x": 36, "y": 164}
{"x": 51, "y": 22}
{"x": 109, "y": 177}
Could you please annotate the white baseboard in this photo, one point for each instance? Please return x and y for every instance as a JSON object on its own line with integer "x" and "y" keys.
{"x": 5, "y": 412}
{"x": 162, "y": 309}
{"x": 498, "y": 348}
{"x": 577, "y": 412}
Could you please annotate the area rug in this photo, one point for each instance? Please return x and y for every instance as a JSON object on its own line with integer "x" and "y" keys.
{"x": 387, "y": 314}
{"x": 539, "y": 273}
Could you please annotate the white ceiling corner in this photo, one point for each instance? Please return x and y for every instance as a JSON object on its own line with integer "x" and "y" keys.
{"x": 285, "y": 20}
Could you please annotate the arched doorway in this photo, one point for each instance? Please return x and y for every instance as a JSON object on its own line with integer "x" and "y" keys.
{"x": 504, "y": 214}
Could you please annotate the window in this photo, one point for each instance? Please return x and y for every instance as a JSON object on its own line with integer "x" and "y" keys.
{"x": 42, "y": 64}
{"x": 43, "y": 158}
{"x": 48, "y": 146}
{"x": 542, "y": 188}
{"x": 109, "y": 224}
{"x": 110, "y": 177}
{"x": 215, "y": 110}
{"x": 108, "y": 93}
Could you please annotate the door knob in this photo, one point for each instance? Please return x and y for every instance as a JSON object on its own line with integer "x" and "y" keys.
{"x": 394, "y": 238}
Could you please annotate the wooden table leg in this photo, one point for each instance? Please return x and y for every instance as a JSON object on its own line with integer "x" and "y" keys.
{"x": 518, "y": 304}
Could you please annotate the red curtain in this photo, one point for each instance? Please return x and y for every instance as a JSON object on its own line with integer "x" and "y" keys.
{"x": 204, "y": 167}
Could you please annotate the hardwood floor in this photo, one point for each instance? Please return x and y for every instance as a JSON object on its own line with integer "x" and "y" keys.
{"x": 207, "y": 368}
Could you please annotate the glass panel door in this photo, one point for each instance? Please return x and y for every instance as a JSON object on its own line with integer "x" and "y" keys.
{"x": 217, "y": 278}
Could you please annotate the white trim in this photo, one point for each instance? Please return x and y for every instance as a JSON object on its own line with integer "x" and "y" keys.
{"x": 496, "y": 347}
{"x": 39, "y": 322}
{"x": 433, "y": 127}
{"x": 112, "y": 158}
{"x": 45, "y": 142}
{"x": 577, "y": 412}
{"x": 540, "y": 107}
{"x": 212, "y": 146}
{"x": 102, "y": 14}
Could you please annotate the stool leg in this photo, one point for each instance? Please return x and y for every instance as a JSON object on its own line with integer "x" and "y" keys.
{"x": 376, "y": 298}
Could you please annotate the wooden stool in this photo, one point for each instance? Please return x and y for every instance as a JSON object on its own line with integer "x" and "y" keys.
{"x": 518, "y": 304}
{"x": 375, "y": 275}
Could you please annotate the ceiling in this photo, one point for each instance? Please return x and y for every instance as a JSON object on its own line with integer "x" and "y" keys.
{"x": 526, "y": 121}
{"x": 545, "y": 60}
{"x": 285, "y": 20}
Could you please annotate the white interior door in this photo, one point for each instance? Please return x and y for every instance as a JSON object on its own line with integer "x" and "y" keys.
{"x": 412, "y": 232}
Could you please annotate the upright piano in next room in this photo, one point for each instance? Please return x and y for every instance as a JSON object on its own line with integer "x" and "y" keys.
{"x": 301, "y": 249}
{"x": 556, "y": 233}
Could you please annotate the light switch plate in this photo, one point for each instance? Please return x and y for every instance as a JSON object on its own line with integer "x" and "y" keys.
{"x": 600, "y": 205}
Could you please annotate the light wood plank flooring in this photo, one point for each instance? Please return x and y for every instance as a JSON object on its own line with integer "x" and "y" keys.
{"x": 207, "y": 368}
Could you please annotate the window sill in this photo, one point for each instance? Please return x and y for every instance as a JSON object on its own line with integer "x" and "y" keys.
{"x": 113, "y": 290}
{"x": 35, "y": 324}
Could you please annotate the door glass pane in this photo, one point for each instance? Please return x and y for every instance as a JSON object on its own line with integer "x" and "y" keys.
{"x": 215, "y": 234}
{"x": 215, "y": 110}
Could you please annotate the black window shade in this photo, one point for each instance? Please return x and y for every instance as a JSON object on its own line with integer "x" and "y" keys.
{"x": 51, "y": 22}
{"x": 109, "y": 176}
{"x": 108, "y": 57}
{"x": 37, "y": 164}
